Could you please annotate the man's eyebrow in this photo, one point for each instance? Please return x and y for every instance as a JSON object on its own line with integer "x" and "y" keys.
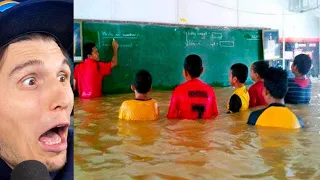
{"x": 65, "y": 61}
{"x": 29, "y": 63}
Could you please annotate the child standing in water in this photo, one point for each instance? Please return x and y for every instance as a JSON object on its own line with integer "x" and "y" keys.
{"x": 257, "y": 73}
{"x": 142, "y": 108}
{"x": 299, "y": 87}
{"x": 276, "y": 114}
{"x": 193, "y": 99}
{"x": 239, "y": 100}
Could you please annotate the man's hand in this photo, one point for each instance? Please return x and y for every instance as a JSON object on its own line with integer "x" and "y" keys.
{"x": 115, "y": 45}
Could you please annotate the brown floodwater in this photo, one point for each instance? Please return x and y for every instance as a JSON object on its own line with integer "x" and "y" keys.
{"x": 223, "y": 148}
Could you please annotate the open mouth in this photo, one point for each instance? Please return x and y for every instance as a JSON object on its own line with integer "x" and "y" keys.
{"x": 55, "y": 139}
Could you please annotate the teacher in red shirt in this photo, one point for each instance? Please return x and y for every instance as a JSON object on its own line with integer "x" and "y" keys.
{"x": 89, "y": 74}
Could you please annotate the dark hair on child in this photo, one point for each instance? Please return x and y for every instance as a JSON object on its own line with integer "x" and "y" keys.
{"x": 303, "y": 63}
{"x": 142, "y": 81}
{"x": 276, "y": 82}
{"x": 240, "y": 71}
{"x": 193, "y": 65}
{"x": 260, "y": 67}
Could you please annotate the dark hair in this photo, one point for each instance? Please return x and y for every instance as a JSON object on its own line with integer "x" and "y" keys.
{"x": 276, "y": 82}
{"x": 193, "y": 65}
{"x": 2, "y": 51}
{"x": 240, "y": 71}
{"x": 303, "y": 63}
{"x": 260, "y": 67}
{"x": 87, "y": 49}
{"x": 142, "y": 81}
{"x": 38, "y": 36}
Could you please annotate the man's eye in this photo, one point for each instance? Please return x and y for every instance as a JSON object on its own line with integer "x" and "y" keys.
{"x": 62, "y": 78}
{"x": 29, "y": 81}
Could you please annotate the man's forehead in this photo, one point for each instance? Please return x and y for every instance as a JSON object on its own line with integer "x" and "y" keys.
{"x": 33, "y": 48}
{"x": 19, "y": 52}
{"x": 36, "y": 41}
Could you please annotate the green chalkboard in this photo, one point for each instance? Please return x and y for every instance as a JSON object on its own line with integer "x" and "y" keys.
{"x": 161, "y": 49}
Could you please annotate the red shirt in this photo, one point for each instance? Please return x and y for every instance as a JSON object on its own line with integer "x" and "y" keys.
{"x": 193, "y": 100}
{"x": 256, "y": 95}
{"x": 89, "y": 78}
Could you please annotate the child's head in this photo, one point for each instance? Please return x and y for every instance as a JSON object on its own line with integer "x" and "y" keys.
{"x": 258, "y": 70}
{"x": 301, "y": 64}
{"x": 142, "y": 82}
{"x": 238, "y": 74}
{"x": 192, "y": 67}
{"x": 275, "y": 83}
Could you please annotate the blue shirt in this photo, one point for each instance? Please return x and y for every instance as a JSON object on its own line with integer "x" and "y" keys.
{"x": 299, "y": 91}
{"x": 66, "y": 173}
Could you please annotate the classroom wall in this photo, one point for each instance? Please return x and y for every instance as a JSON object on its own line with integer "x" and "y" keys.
{"x": 301, "y": 26}
{"x": 252, "y": 13}
{"x": 127, "y": 10}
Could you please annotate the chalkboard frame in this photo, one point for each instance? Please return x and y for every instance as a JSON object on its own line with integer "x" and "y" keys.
{"x": 174, "y": 24}
{"x": 77, "y": 31}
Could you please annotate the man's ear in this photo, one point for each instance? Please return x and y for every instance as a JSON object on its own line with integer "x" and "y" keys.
{"x": 133, "y": 88}
{"x": 294, "y": 68}
{"x": 185, "y": 73}
{"x": 202, "y": 69}
{"x": 234, "y": 79}
{"x": 256, "y": 75}
{"x": 265, "y": 94}
{"x": 265, "y": 91}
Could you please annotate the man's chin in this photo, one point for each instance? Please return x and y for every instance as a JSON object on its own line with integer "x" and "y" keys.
{"x": 56, "y": 163}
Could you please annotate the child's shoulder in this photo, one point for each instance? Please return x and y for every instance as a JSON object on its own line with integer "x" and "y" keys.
{"x": 254, "y": 116}
{"x": 299, "y": 82}
{"x": 241, "y": 90}
{"x": 133, "y": 101}
{"x": 256, "y": 85}
{"x": 180, "y": 87}
{"x": 128, "y": 102}
{"x": 153, "y": 100}
{"x": 260, "y": 83}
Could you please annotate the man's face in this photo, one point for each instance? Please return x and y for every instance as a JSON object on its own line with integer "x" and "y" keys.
{"x": 294, "y": 69}
{"x": 185, "y": 74}
{"x": 232, "y": 79}
{"x": 266, "y": 95}
{"x": 95, "y": 54}
{"x": 35, "y": 105}
{"x": 253, "y": 74}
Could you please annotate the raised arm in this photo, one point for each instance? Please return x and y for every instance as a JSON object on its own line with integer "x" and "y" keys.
{"x": 114, "y": 60}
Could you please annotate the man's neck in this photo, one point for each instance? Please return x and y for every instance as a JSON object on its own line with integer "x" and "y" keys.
{"x": 141, "y": 96}
{"x": 190, "y": 78}
{"x": 91, "y": 59}
{"x": 273, "y": 100}
{"x": 238, "y": 85}
{"x": 9, "y": 165}
{"x": 258, "y": 80}
{"x": 299, "y": 76}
